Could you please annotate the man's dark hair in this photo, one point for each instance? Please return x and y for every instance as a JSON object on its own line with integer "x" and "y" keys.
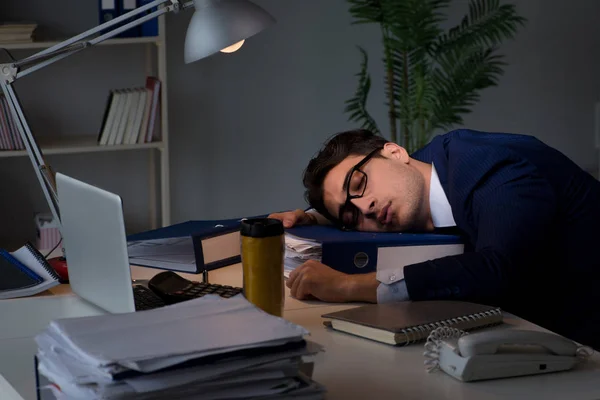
{"x": 337, "y": 148}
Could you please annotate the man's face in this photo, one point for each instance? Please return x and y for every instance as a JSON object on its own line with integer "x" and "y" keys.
{"x": 393, "y": 193}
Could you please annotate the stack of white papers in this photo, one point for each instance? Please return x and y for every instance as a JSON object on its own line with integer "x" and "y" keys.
{"x": 299, "y": 250}
{"x": 208, "y": 348}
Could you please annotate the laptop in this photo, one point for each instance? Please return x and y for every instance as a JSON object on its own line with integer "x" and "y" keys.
{"x": 95, "y": 243}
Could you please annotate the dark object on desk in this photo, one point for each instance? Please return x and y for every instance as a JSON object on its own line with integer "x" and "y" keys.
{"x": 406, "y": 322}
{"x": 169, "y": 288}
{"x": 59, "y": 264}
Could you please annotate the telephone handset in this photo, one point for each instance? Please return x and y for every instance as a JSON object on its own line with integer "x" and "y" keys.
{"x": 492, "y": 342}
{"x": 500, "y": 353}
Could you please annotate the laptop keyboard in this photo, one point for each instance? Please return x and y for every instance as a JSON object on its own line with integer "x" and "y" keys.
{"x": 146, "y": 299}
{"x": 199, "y": 289}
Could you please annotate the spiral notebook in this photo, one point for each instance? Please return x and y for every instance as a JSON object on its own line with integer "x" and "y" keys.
{"x": 407, "y": 322}
{"x": 25, "y": 272}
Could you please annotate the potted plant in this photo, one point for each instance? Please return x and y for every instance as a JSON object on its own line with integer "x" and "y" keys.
{"x": 432, "y": 76}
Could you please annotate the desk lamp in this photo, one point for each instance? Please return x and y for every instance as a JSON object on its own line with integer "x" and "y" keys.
{"x": 216, "y": 25}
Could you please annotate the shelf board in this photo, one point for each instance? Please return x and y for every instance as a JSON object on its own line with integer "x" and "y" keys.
{"x": 109, "y": 42}
{"x": 78, "y": 144}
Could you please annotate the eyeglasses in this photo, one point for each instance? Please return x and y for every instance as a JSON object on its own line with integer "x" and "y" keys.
{"x": 355, "y": 184}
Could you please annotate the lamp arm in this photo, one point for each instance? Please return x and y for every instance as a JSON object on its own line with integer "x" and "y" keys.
{"x": 42, "y": 171}
{"x": 81, "y": 41}
{"x": 10, "y": 72}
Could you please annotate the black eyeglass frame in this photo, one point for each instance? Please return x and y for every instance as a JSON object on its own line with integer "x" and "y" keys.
{"x": 348, "y": 204}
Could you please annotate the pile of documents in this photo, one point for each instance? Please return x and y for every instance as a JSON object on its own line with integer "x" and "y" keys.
{"x": 208, "y": 348}
{"x": 299, "y": 250}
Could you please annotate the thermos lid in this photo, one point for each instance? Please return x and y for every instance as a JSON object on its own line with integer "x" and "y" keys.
{"x": 261, "y": 227}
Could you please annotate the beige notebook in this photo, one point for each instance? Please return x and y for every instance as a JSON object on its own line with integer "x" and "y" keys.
{"x": 406, "y": 322}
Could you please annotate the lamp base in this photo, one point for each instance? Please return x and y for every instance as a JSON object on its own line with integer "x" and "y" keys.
{"x": 59, "y": 264}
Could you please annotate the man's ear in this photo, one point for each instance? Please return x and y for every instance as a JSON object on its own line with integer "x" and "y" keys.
{"x": 395, "y": 152}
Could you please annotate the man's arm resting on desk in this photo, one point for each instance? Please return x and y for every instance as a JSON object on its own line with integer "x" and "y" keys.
{"x": 314, "y": 279}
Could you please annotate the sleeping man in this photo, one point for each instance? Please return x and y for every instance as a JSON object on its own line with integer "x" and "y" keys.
{"x": 529, "y": 217}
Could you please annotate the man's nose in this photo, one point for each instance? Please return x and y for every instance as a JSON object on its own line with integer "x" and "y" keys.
{"x": 366, "y": 205}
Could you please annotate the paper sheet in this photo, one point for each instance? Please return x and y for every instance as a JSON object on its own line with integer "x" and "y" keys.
{"x": 298, "y": 251}
{"x": 174, "y": 250}
{"x": 132, "y": 338}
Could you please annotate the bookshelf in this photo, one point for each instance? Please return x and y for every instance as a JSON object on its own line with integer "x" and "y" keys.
{"x": 79, "y": 144}
{"x": 109, "y": 42}
{"x": 65, "y": 143}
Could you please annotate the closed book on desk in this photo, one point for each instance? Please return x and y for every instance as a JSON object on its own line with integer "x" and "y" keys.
{"x": 192, "y": 246}
{"x": 360, "y": 252}
{"x": 402, "y": 323}
{"x": 25, "y": 272}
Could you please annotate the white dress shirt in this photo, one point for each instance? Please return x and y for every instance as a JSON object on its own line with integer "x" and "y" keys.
{"x": 392, "y": 286}
{"x": 441, "y": 212}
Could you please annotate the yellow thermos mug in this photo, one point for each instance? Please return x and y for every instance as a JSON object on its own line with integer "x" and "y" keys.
{"x": 262, "y": 251}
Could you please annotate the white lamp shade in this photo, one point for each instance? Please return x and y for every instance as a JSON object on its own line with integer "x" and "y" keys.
{"x": 217, "y": 24}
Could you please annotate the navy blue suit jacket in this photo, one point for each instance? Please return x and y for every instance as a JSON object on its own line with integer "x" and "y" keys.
{"x": 530, "y": 218}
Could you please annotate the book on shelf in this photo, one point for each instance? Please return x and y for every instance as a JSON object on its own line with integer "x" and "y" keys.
{"x": 9, "y": 135}
{"x": 17, "y": 32}
{"x": 132, "y": 115}
{"x": 111, "y": 9}
{"x": 150, "y": 27}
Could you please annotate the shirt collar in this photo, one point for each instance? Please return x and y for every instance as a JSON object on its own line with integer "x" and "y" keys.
{"x": 441, "y": 212}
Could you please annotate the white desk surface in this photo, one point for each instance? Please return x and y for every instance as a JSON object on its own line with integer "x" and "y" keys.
{"x": 7, "y": 391}
{"x": 350, "y": 367}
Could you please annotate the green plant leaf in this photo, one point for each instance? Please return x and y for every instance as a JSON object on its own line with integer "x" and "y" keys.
{"x": 357, "y": 105}
{"x": 487, "y": 24}
{"x": 365, "y": 11}
{"x": 432, "y": 77}
{"x": 413, "y": 23}
{"x": 458, "y": 80}
{"x": 410, "y": 28}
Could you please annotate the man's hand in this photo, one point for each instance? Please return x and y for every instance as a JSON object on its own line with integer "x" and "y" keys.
{"x": 296, "y": 217}
{"x": 316, "y": 280}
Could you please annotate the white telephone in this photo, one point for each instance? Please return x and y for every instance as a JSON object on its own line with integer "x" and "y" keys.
{"x": 500, "y": 353}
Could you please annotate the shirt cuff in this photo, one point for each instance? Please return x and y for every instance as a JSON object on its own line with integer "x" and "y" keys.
{"x": 392, "y": 287}
{"x": 395, "y": 292}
